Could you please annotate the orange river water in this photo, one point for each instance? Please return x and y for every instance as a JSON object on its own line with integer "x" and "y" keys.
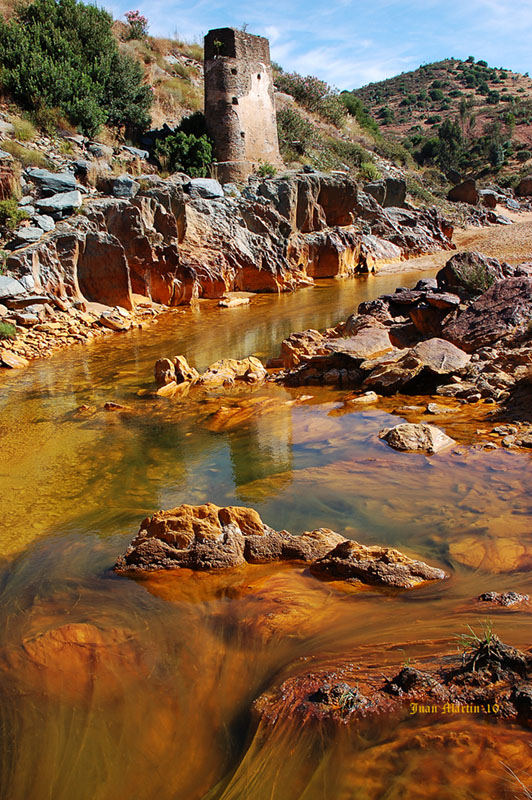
{"x": 120, "y": 689}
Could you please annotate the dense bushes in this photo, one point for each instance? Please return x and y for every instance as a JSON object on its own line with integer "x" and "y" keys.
{"x": 188, "y": 149}
{"x": 61, "y": 54}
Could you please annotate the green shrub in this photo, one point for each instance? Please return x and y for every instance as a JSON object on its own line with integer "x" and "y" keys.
{"x": 7, "y": 331}
{"x": 369, "y": 172}
{"x": 295, "y": 133}
{"x": 11, "y": 214}
{"x": 356, "y": 108}
{"x": 312, "y": 94}
{"x": 63, "y": 54}
{"x": 436, "y": 94}
{"x": 266, "y": 170}
{"x": 185, "y": 152}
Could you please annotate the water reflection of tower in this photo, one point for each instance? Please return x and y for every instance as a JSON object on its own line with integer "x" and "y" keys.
{"x": 261, "y": 455}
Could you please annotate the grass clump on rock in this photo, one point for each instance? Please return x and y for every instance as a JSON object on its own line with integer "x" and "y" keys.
{"x": 7, "y": 331}
{"x": 11, "y": 214}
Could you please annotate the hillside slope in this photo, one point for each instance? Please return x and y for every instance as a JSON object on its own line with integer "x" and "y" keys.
{"x": 493, "y": 107}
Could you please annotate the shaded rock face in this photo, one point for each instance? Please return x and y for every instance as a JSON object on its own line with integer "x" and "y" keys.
{"x": 503, "y": 312}
{"x": 417, "y": 438}
{"x": 178, "y": 246}
{"x": 209, "y": 537}
{"x": 472, "y": 273}
{"x": 465, "y": 192}
{"x": 524, "y": 187}
{"x": 389, "y": 192}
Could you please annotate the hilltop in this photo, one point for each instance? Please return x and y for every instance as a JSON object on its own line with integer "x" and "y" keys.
{"x": 492, "y": 106}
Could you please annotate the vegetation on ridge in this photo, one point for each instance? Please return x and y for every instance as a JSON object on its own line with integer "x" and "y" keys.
{"x": 62, "y": 55}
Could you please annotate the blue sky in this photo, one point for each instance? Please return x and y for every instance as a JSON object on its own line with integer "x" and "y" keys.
{"x": 350, "y": 43}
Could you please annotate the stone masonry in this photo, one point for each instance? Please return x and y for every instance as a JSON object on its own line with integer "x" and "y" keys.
{"x": 239, "y": 103}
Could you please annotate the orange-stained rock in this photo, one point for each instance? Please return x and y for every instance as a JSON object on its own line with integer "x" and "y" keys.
{"x": 12, "y": 360}
{"x": 209, "y": 537}
{"x": 184, "y": 373}
{"x": 164, "y": 371}
{"x": 383, "y": 566}
{"x": 228, "y": 370}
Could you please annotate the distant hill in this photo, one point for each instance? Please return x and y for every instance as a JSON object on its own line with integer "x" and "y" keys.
{"x": 493, "y": 107}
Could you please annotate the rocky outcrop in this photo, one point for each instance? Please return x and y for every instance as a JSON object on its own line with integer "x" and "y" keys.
{"x": 209, "y": 537}
{"x": 382, "y": 566}
{"x": 524, "y": 187}
{"x": 471, "y": 273}
{"x": 503, "y": 312}
{"x": 465, "y": 192}
{"x": 489, "y": 677}
{"x": 171, "y": 246}
{"x": 428, "y": 340}
{"x": 225, "y": 372}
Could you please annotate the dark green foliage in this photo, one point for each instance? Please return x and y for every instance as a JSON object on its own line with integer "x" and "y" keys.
{"x": 11, "y": 214}
{"x": 386, "y": 115}
{"x": 194, "y": 124}
{"x": 451, "y": 145}
{"x": 357, "y": 109}
{"x": 185, "y": 152}
{"x": 7, "y": 331}
{"x": 436, "y": 94}
{"x": 62, "y": 54}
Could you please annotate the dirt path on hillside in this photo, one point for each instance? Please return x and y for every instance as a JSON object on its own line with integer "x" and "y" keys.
{"x": 512, "y": 243}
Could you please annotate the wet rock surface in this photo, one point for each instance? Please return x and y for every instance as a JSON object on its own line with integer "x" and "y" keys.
{"x": 210, "y": 537}
{"x": 489, "y": 678}
{"x": 448, "y": 337}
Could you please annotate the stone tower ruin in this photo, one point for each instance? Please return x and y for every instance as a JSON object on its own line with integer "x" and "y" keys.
{"x": 239, "y": 104}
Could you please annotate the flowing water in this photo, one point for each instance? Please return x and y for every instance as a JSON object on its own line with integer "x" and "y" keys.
{"x": 114, "y": 688}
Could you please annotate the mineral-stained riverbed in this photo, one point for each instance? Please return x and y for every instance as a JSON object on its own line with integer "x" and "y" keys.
{"x": 116, "y": 688}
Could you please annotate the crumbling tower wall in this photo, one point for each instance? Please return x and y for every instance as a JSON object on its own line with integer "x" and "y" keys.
{"x": 239, "y": 103}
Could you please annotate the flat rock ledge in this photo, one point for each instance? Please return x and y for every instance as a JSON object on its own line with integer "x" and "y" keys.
{"x": 212, "y": 537}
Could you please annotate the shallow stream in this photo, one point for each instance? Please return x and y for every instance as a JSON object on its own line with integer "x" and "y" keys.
{"x": 114, "y": 688}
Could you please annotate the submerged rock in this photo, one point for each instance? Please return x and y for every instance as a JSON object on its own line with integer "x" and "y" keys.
{"x": 417, "y": 437}
{"x": 213, "y": 537}
{"x": 228, "y": 370}
{"x": 504, "y": 599}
